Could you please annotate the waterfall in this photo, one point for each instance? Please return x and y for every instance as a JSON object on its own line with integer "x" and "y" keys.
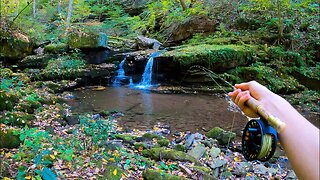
{"x": 121, "y": 74}
{"x": 147, "y": 74}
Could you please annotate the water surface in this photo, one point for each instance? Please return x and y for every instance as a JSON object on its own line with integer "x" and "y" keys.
{"x": 143, "y": 109}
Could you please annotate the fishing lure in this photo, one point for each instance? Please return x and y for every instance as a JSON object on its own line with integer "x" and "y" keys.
{"x": 260, "y": 136}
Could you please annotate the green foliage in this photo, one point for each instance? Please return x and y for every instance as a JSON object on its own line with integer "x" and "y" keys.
{"x": 64, "y": 67}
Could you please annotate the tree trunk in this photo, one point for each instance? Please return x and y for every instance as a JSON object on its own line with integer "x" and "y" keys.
{"x": 183, "y": 5}
{"x": 69, "y": 14}
{"x": 34, "y": 8}
{"x": 59, "y": 6}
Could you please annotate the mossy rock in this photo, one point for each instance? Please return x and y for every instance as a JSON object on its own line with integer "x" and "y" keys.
{"x": 56, "y": 48}
{"x": 203, "y": 168}
{"x": 113, "y": 172}
{"x": 159, "y": 175}
{"x": 151, "y": 136}
{"x": 163, "y": 142}
{"x": 179, "y": 147}
{"x": 7, "y": 100}
{"x": 16, "y": 118}
{"x": 126, "y": 138}
{"x": 214, "y": 57}
{"x": 9, "y": 139}
{"x": 15, "y": 45}
{"x": 87, "y": 40}
{"x": 35, "y": 61}
{"x": 221, "y": 135}
{"x": 171, "y": 154}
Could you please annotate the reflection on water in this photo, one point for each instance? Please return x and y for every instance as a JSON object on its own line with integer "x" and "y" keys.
{"x": 144, "y": 109}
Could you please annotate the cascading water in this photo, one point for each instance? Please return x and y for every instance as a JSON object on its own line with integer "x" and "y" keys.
{"x": 147, "y": 74}
{"x": 121, "y": 74}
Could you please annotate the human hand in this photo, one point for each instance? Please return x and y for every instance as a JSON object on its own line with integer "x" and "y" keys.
{"x": 245, "y": 91}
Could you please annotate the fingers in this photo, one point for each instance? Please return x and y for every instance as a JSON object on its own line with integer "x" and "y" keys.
{"x": 240, "y": 98}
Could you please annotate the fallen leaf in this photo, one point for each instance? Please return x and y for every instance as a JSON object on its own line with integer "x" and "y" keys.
{"x": 115, "y": 172}
{"x": 52, "y": 156}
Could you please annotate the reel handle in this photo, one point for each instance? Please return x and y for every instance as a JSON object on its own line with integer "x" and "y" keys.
{"x": 273, "y": 121}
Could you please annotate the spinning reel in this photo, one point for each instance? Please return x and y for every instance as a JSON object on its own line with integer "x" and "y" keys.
{"x": 259, "y": 140}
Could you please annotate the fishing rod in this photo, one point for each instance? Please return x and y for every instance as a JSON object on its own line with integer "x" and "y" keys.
{"x": 260, "y": 136}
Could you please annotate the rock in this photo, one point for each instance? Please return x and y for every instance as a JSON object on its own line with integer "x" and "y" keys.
{"x": 8, "y": 139}
{"x": 87, "y": 40}
{"x": 179, "y": 147}
{"x": 35, "y": 61}
{"x": 216, "y": 163}
{"x": 72, "y": 120}
{"x": 159, "y": 175}
{"x": 56, "y": 48}
{"x": 126, "y": 138}
{"x": 16, "y": 118}
{"x": 291, "y": 175}
{"x": 260, "y": 169}
{"x": 202, "y": 168}
{"x": 163, "y": 142}
{"x": 113, "y": 172}
{"x": 207, "y": 143}
{"x": 215, "y": 152}
{"x": 221, "y": 135}
{"x": 7, "y": 100}
{"x": 134, "y": 7}
{"x": 147, "y": 43}
{"x": 197, "y": 152}
{"x": 178, "y": 32}
{"x": 162, "y": 153}
{"x": 114, "y": 145}
{"x": 217, "y": 57}
{"x": 189, "y": 141}
{"x": 15, "y": 45}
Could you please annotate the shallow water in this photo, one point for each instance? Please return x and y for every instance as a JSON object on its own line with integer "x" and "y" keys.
{"x": 143, "y": 109}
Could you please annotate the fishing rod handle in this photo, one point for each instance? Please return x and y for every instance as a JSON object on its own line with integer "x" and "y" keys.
{"x": 273, "y": 121}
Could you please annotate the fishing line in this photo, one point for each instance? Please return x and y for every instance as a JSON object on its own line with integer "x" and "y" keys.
{"x": 259, "y": 139}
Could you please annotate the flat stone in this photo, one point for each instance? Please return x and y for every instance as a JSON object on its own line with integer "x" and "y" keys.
{"x": 218, "y": 163}
{"x": 189, "y": 141}
{"x": 197, "y": 152}
{"x": 260, "y": 169}
{"x": 215, "y": 152}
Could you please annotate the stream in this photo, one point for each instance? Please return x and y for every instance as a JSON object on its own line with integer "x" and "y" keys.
{"x": 143, "y": 109}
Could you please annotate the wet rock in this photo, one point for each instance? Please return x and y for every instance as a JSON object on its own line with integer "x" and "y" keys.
{"x": 162, "y": 153}
{"x": 159, "y": 175}
{"x": 9, "y": 139}
{"x": 178, "y": 32}
{"x": 197, "y": 152}
{"x": 56, "y": 48}
{"x": 221, "y": 135}
{"x": 216, "y": 163}
{"x": 215, "y": 152}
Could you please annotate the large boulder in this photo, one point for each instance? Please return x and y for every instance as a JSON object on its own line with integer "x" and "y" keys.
{"x": 215, "y": 57}
{"x": 134, "y": 7}
{"x": 15, "y": 45}
{"x": 35, "y": 61}
{"x": 88, "y": 40}
{"x": 179, "y": 31}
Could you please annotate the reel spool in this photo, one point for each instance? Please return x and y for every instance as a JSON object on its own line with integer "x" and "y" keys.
{"x": 259, "y": 140}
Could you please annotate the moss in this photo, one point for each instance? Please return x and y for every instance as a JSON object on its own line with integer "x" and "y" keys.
{"x": 214, "y": 132}
{"x": 56, "y": 48}
{"x": 213, "y": 56}
{"x": 35, "y": 61}
{"x": 125, "y": 138}
{"x": 7, "y": 100}
{"x": 15, "y": 46}
{"x": 113, "y": 173}
{"x": 151, "y": 136}
{"x": 164, "y": 142}
{"x": 87, "y": 40}
{"x": 174, "y": 155}
{"x": 179, "y": 147}
{"x": 202, "y": 168}
{"x": 16, "y": 118}
{"x": 9, "y": 139}
{"x": 159, "y": 175}
{"x": 279, "y": 56}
